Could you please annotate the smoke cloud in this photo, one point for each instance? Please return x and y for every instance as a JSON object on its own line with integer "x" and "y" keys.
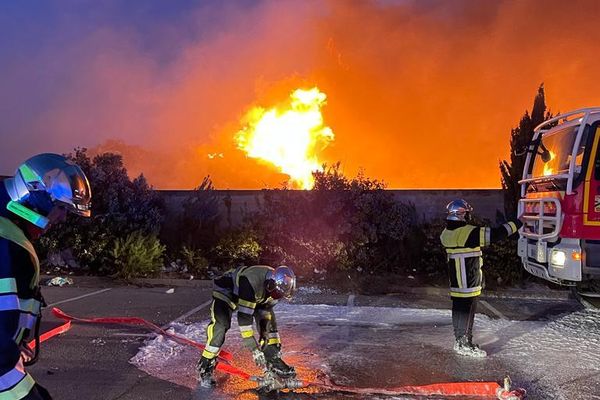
{"x": 421, "y": 94}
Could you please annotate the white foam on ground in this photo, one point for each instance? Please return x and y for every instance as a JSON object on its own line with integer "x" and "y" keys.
{"x": 559, "y": 357}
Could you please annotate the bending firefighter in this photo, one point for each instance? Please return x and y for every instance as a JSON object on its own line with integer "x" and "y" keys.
{"x": 43, "y": 190}
{"x": 463, "y": 243}
{"x": 252, "y": 291}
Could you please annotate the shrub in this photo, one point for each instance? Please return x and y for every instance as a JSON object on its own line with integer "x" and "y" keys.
{"x": 195, "y": 261}
{"x": 426, "y": 251}
{"x": 502, "y": 265}
{"x": 120, "y": 206}
{"x": 237, "y": 247}
{"x": 342, "y": 224}
{"x": 137, "y": 255}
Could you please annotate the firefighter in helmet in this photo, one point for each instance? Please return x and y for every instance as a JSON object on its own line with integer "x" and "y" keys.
{"x": 42, "y": 191}
{"x": 463, "y": 243}
{"x": 252, "y": 291}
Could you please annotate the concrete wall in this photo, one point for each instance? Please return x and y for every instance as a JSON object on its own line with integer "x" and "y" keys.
{"x": 428, "y": 203}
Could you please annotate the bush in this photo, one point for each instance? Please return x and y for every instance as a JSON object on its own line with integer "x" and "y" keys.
{"x": 137, "y": 255}
{"x": 342, "y": 224}
{"x": 120, "y": 206}
{"x": 195, "y": 262}
{"x": 237, "y": 247}
{"x": 502, "y": 265}
{"x": 426, "y": 251}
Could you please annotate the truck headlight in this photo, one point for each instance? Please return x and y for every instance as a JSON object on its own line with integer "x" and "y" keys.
{"x": 558, "y": 258}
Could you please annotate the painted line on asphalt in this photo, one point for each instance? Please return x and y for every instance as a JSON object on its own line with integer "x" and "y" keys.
{"x": 166, "y": 326}
{"x": 79, "y": 297}
{"x": 493, "y": 309}
{"x": 188, "y": 314}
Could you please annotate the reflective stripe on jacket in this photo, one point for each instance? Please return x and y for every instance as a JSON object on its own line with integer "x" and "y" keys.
{"x": 29, "y": 307}
{"x": 463, "y": 245}
{"x": 16, "y": 384}
{"x": 464, "y": 263}
{"x": 243, "y": 288}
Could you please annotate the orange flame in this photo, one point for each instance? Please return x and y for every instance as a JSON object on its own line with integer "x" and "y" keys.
{"x": 288, "y": 138}
{"x": 547, "y": 166}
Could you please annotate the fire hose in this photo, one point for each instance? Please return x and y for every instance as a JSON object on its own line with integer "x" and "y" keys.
{"x": 272, "y": 382}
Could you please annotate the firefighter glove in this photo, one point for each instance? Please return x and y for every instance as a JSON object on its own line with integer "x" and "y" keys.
{"x": 259, "y": 359}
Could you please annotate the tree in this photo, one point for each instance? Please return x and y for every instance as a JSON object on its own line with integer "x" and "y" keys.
{"x": 196, "y": 221}
{"x": 520, "y": 137}
{"x": 120, "y": 207}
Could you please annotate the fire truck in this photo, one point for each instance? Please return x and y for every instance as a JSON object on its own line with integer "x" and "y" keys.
{"x": 560, "y": 203}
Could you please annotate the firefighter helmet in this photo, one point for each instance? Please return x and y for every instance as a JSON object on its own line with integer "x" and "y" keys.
{"x": 459, "y": 210}
{"x": 46, "y": 180}
{"x": 281, "y": 282}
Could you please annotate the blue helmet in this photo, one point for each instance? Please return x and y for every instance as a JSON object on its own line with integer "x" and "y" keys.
{"x": 46, "y": 180}
{"x": 281, "y": 282}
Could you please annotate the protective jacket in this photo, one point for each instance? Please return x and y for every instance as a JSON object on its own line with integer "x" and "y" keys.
{"x": 242, "y": 289}
{"x": 20, "y": 306}
{"x": 463, "y": 243}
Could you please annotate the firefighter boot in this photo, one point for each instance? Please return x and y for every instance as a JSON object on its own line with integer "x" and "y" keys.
{"x": 465, "y": 347}
{"x": 276, "y": 364}
{"x": 476, "y": 349}
{"x": 206, "y": 368}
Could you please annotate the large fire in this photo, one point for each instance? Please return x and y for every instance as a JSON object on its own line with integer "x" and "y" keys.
{"x": 289, "y": 137}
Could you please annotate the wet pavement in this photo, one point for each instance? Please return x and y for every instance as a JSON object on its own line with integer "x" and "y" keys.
{"x": 381, "y": 347}
{"x": 550, "y": 347}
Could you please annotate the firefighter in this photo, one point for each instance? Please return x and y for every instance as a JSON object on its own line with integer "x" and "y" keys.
{"x": 463, "y": 243}
{"x": 42, "y": 191}
{"x": 252, "y": 291}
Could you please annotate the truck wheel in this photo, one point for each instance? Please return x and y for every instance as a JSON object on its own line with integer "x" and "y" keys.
{"x": 588, "y": 294}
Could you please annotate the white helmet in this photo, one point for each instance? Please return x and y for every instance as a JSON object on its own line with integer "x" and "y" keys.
{"x": 459, "y": 210}
{"x": 281, "y": 282}
{"x": 46, "y": 180}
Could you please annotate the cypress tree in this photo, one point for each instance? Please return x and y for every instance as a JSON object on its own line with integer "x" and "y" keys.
{"x": 520, "y": 137}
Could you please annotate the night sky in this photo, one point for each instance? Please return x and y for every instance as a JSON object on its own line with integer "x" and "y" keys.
{"x": 421, "y": 94}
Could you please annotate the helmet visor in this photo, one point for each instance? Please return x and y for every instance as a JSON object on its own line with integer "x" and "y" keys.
{"x": 284, "y": 286}
{"x": 71, "y": 188}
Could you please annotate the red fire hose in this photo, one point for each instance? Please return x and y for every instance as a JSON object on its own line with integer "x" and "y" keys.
{"x": 224, "y": 355}
{"x": 51, "y": 333}
{"x": 484, "y": 390}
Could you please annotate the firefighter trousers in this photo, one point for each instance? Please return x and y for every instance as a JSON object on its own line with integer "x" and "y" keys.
{"x": 463, "y": 315}
{"x": 220, "y": 322}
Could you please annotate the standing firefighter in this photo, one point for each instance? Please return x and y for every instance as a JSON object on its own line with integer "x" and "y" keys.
{"x": 253, "y": 292}
{"x": 463, "y": 243}
{"x": 43, "y": 190}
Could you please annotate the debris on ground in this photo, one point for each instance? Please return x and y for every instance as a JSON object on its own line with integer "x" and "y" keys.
{"x": 59, "y": 281}
{"x": 170, "y": 291}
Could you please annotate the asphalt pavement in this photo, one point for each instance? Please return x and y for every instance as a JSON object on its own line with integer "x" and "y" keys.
{"x": 93, "y": 361}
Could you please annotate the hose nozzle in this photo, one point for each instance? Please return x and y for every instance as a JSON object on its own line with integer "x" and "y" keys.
{"x": 505, "y": 392}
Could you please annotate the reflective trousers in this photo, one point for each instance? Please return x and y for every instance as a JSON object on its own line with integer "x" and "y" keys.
{"x": 220, "y": 322}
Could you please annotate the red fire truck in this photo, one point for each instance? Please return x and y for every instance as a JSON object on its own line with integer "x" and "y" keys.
{"x": 560, "y": 203}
